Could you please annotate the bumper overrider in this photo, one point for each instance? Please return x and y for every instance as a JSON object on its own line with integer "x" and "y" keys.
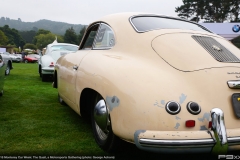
{"x": 218, "y": 140}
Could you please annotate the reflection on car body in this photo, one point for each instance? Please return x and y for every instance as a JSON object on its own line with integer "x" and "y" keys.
{"x": 155, "y": 81}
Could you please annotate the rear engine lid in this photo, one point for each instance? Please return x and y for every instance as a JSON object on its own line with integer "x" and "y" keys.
{"x": 192, "y": 52}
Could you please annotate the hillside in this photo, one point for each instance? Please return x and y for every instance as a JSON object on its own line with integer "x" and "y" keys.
{"x": 55, "y": 27}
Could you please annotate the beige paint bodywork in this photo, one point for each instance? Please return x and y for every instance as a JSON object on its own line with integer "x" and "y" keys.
{"x": 144, "y": 71}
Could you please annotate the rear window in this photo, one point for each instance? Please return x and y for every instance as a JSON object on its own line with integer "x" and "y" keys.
{"x": 148, "y": 23}
{"x": 64, "y": 47}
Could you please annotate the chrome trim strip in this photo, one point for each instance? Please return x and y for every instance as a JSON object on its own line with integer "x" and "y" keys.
{"x": 233, "y": 140}
{"x": 161, "y": 16}
{"x": 233, "y": 84}
{"x": 185, "y": 143}
{"x": 177, "y": 142}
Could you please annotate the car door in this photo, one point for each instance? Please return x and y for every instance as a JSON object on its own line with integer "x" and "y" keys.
{"x": 71, "y": 63}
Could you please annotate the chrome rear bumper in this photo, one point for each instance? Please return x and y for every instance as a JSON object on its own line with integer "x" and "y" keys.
{"x": 215, "y": 140}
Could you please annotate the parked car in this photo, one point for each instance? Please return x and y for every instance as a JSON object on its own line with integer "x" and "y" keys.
{"x": 8, "y": 61}
{"x": 51, "y": 55}
{"x": 30, "y": 59}
{"x": 34, "y": 56}
{"x": 2, "y": 74}
{"x": 16, "y": 58}
{"x": 166, "y": 84}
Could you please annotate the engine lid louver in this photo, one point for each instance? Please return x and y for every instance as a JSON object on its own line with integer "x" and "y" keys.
{"x": 216, "y": 50}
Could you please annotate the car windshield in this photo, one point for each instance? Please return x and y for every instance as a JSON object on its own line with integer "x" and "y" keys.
{"x": 148, "y": 23}
{"x": 64, "y": 47}
{"x": 32, "y": 55}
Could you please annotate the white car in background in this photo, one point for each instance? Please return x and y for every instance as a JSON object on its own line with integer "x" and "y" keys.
{"x": 53, "y": 51}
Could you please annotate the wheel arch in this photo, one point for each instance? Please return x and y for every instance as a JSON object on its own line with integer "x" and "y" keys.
{"x": 86, "y": 102}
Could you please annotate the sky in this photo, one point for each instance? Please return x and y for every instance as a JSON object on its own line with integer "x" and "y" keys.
{"x": 81, "y": 11}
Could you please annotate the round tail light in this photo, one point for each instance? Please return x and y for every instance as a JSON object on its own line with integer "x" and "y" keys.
{"x": 193, "y": 108}
{"x": 173, "y": 107}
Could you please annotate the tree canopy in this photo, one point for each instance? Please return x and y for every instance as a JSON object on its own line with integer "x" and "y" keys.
{"x": 14, "y": 37}
{"x": 28, "y": 36}
{"x": 3, "y": 38}
{"x": 43, "y": 40}
{"x": 70, "y": 36}
{"x": 210, "y": 10}
{"x": 30, "y": 46}
{"x": 81, "y": 34}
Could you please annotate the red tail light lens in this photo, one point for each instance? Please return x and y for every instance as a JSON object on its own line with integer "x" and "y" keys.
{"x": 210, "y": 124}
{"x": 190, "y": 123}
{"x": 51, "y": 64}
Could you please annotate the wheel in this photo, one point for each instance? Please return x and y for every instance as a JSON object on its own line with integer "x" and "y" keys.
{"x": 25, "y": 61}
{"x": 44, "y": 77}
{"x": 7, "y": 71}
{"x": 1, "y": 92}
{"x": 61, "y": 100}
{"x": 101, "y": 126}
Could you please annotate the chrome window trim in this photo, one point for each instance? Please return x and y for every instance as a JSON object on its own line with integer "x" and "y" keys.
{"x": 86, "y": 32}
{"x": 94, "y": 42}
{"x": 161, "y": 16}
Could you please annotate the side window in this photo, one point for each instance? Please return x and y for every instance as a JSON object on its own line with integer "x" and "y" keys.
{"x": 105, "y": 38}
{"x": 89, "y": 37}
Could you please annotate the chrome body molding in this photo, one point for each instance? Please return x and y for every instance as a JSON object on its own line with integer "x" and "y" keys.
{"x": 177, "y": 143}
{"x": 233, "y": 141}
{"x": 233, "y": 84}
{"x": 185, "y": 142}
{"x": 233, "y": 72}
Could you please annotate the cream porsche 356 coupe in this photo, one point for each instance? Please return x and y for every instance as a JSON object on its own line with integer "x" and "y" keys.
{"x": 165, "y": 84}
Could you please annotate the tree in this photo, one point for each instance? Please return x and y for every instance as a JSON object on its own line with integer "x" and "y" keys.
{"x": 43, "y": 40}
{"x": 209, "y": 10}
{"x": 234, "y": 10}
{"x": 14, "y": 37}
{"x": 30, "y": 46}
{"x": 192, "y": 9}
{"x": 70, "y": 36}
{"x": 217, "y": 11}
{"x": 81, "y": 34}
{"x": 28, "y": 36}
{"x": 3, "y": 38}
{"x": 40, "y": 31}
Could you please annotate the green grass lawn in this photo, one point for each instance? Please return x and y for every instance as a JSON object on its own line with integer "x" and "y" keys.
{"x": 32, "y": 122}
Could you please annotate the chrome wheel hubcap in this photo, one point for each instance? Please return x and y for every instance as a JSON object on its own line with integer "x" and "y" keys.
{"x": 101, "y": 118}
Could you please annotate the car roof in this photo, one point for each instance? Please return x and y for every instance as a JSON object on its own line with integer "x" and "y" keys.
{"x": 56, "y": 44}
